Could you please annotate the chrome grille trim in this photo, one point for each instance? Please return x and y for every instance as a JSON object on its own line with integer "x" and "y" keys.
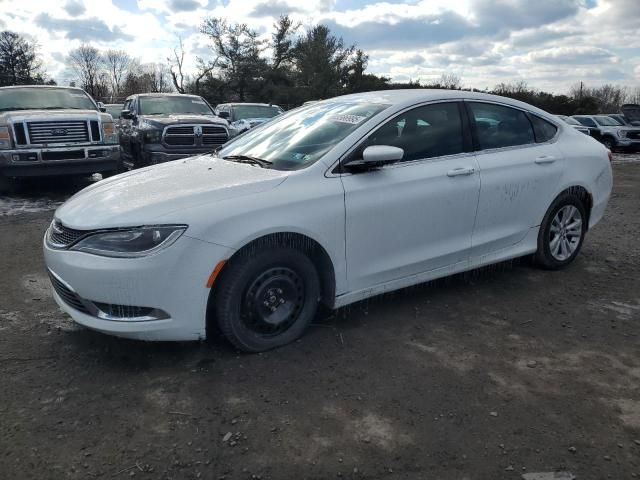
{"x": 59, "y": 236}
{"x": 75, "y": 131}
{"x": 193, "y": 135}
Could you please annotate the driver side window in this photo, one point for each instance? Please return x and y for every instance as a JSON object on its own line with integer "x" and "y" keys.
{"x": 425, "y": 132}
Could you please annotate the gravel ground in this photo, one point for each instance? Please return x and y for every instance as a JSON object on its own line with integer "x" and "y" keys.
{"x": 497, "y": 374}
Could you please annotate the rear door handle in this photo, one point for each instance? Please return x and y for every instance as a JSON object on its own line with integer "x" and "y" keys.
{"x": 456, "y": 172}
{"x": 545, "y": 159}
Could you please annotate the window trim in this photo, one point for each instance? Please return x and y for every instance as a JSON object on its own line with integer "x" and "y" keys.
{"x": 336, "y": 169}
{"x": 527, "y": 113}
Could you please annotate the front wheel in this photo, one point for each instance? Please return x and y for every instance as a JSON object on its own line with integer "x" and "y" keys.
{"x": 609, "y": 143}
{"x": 562, "y": 232}
{"x": 266, "y": 298}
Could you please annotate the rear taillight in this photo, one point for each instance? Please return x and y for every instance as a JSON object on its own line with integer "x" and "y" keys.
{"x": 610, "y": 155}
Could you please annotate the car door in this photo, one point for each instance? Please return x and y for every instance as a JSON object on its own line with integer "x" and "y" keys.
{"x": 417, "y": 215}
{"x": 520, "y": 168}
{"x": 125, "y": 128}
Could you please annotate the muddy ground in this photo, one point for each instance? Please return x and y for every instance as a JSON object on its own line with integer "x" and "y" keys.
{"x": 490, "y": 375}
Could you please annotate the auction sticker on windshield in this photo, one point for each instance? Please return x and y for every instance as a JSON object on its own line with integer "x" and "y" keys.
{"x": 351, "y": 119}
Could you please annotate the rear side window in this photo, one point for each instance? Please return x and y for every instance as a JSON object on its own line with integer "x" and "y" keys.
{"x": 544, "y": 130}
{"x": 425, "y": 132}
{"x": 499, "y": 126}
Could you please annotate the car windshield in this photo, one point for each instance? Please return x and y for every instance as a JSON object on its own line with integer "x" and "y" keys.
{"x": 303, "y": 136}
{"x": 569, "y": 120}
{"x": 38, "y": 98}
{"x": 114, "y": 111}
{"x": 173, "y": 104}
{"x": 255, "y": 111}
{"x": 607, "y": 121}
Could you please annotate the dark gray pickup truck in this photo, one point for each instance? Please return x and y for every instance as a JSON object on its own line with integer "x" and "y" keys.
{"x": 50, "y": 130}
{"x": 158, "y": 127}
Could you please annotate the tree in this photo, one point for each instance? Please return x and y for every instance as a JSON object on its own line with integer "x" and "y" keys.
{"x": 20, "y": 63}
{"x": 237, "y": 49}
{"x": 176, "y": 62}
{"x": 117, "y": 63}
{"x": 450, "y": 81}
{"x": 322, "y": 62}
{"x": 86, "y": 63}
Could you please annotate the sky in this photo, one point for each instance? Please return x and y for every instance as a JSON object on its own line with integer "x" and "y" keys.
{"x": 550, "y": 44}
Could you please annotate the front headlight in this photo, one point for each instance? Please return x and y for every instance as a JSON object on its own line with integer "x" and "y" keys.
{"x": 109, "y": 133}
{"x": 152, "y": 136}
{"x": 5, "y": 139}
{"x": 131, "y": 242}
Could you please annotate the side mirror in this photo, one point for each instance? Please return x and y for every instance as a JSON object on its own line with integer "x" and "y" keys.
{"x": 126, "y": 114}
{"x": 101, "y": 107}
{"x": 224, "y": 115}
{"x": 376, "y": 156}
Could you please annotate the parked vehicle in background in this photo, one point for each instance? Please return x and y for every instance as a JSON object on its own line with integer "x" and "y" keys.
{"x": 575, "y": 124}
{"x": 114, "y": 109}
{"x": 631, "y": 112}
{"x": 610, "y": 132}
{"x": 51, "y": 130}
{"x": 330, "y": 203}
{"x": 244, "y": 116}
{"x": 158, "y": 127}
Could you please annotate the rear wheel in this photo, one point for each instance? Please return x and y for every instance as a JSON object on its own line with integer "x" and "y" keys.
{"x": 562, "y": 232}
{"x": 266, "y": 298}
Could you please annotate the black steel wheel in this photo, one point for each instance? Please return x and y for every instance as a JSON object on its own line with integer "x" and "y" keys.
{"x": 266, "y": 298}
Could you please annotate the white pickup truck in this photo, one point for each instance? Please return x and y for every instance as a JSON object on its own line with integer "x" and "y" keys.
{"x": 51, "y": 130}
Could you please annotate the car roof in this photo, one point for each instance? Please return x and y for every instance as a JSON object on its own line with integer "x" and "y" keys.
{"x": 163, "y": 94}
{"x": 412, "y": 96}
{"x": 44, "y": 86}
{"x": 233, "y": 104}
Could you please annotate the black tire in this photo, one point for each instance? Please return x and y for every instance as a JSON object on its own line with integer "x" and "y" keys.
{"x": 544, "y": 256}
{"x": 609, "y": 142}
{"x": 249, "y": 311}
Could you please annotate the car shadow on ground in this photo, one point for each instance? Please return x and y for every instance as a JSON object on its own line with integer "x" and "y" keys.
{"x": 137, "y": 355}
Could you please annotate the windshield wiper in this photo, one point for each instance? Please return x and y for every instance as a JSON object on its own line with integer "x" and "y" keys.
{"x": 249, "y": 159}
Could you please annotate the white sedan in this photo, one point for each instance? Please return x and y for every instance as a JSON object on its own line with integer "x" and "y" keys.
{"x": 330, "y": 203}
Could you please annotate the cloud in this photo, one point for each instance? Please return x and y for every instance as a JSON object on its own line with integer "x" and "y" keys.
{"x": 86, "y": 30}
{"x": 519, "y": 14}
{"x": 183, "y": 5}
{"x": 274, "y": 9}
{"x": 75, "y": 8}
{"x": 402, "y": 33}
{"x": 571, "y": 55}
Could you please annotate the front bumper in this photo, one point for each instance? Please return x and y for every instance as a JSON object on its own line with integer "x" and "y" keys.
{"x": 628, "y": 143}
{"x": 158, "y": 153}
{"x": 173, "y": 282}
{"x": 35, "y": 162}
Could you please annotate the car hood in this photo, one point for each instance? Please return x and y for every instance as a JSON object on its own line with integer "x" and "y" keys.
{"x": 143, "y": 196}
{"x": 49, "y": 115}
{"x": 162, "y": 120}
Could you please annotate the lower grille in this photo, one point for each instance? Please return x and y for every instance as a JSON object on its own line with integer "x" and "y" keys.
{"x": 67, "y": 295}
{"x": 59, "y": 155}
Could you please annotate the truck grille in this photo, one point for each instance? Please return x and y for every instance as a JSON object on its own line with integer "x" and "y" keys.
{"x": 67, "y": 295}
{"x": 634, "y": 134}
{"x": 195, "y": 135}
{"x": 60, "y": 236}
{"x": 68, "y": 131}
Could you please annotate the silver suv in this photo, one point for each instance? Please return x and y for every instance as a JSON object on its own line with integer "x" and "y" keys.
{"x": 610, "y": 132}
{"x": 50, "y": 130}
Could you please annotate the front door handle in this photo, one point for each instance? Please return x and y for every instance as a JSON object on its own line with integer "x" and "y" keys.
{"x": 456, "y": 172}
{"x": 545, "y": 159}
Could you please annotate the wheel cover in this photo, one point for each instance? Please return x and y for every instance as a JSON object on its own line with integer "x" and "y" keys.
{"x": 565, "y": 232}
{"x": 273, "y": 301}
